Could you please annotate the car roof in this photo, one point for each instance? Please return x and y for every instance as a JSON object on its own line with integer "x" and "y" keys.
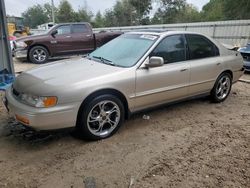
{"x": 72, "y": 23}
{"x": 152, "y": 30}
{"x": 161, "y": 32}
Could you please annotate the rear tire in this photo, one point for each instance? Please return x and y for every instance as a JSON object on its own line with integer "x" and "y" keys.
{"x": 38, "y": 55}
{"x": 222, "y": 88}
{"x": 100, "y": 118}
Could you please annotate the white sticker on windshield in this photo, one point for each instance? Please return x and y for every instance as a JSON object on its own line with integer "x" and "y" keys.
{"x": 150, "y": 37}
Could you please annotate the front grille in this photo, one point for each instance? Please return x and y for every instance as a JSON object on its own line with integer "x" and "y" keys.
{"x": 246, "y": 56}
{"x": 247, "y": 67}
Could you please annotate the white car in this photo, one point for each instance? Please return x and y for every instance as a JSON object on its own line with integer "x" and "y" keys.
{"x": 133, "y": 72}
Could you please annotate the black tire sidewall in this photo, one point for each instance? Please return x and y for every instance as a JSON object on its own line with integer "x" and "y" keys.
{"x": 32, "y": 51}
{"x": 82, "y": 128}
{"x": 213, "y": 92}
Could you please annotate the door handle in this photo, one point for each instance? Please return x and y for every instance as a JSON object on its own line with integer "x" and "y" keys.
{"x": 218, "y": 64}
{"x": 68, "y": 36}
{"x": 88, "y": 35}
{"x": 183, "y": 70}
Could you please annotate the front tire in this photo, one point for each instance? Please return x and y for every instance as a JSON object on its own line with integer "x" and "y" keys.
{"x": 38, "y": 55}
{"x": 100, "y": 118}
{"x": 222, "y": 88}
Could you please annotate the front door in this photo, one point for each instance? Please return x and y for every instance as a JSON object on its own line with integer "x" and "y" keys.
{"x": 61, "y": 43}
{"x": 166, "y": 83}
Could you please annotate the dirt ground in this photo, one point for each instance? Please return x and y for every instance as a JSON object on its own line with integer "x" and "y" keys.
{"x": 190, "y": 144}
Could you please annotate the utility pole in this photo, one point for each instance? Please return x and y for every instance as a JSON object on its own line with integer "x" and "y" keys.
{"x": 53, "y": 11}
{"x": 5, "y": 52}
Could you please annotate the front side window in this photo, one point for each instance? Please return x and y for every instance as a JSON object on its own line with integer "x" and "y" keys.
{"x": 171, "y": 49}
{"x": 200, "y": 47}
{"x": 63, "y": 30}
{"x": 79, "y": 28}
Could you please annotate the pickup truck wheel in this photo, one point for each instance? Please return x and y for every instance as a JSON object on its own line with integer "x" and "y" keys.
{"x": 100, "y": 118}
{"x": 222, "y": 88}
{"x": 38, "y": 55}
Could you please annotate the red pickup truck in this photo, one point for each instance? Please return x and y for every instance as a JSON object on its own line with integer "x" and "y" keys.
{"x": 62, "y": 39}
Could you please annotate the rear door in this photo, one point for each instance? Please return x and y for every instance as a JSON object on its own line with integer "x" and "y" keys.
{"x": 83, "y": 38}
{"x": 205, "y": 63}
{"x": 168, "y": 82}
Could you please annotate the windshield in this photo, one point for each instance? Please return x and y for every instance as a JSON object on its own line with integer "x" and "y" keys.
{"x": 124, "y": 51}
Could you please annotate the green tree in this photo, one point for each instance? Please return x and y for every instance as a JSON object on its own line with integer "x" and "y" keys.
{"x": 83, "y": 15}
{"x": 109, "y": 18}
{"x": 35, "y": 16}
{"x": 48, "y": 11}
{"x": 66, "y": 12}
{"x": 169, "y": 11}
{"x": 175, "y": 11}
{"x": 122, "y": 14}
{"x": 142, "y": 10}
{"x": 214, "y": 11}
{"x": 188, "y": 14}
{"x": 99, "y": 20}
{"x": 239, "y": 9}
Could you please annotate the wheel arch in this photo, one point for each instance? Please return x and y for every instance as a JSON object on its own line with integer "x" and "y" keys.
{"x": 114, "y": 92}
{"x": 35, "y": 45}
{"x": 225, "y": 71}
{"x": 229, "y": 72}
{"x": 213, "y": 94}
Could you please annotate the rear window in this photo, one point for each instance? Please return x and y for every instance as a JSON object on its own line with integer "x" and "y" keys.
{"x": 79, "y": 28}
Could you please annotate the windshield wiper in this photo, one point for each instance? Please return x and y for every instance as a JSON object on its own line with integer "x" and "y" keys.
{"x": 103, "y": 60}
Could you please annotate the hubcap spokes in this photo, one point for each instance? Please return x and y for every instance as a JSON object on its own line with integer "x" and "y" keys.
{"x": 103, "y": 118}
{"x": 39, "y": 55}
{"x": 223, "y": 87}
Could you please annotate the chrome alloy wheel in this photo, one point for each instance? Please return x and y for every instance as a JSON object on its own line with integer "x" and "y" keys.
{"x": 223, "y": 87}
{"x": 103, "y": 118}
{"x": 39, "y": 55}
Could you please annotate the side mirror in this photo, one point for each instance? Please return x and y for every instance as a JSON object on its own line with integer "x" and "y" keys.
{"x": 155, "y": 61}
{"x": 54, "y": 33}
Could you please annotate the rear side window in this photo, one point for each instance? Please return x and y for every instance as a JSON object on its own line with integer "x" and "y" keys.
{"x": 171, "y": 49}
{"x": 63, "y": 30}
{"x": 79, "y": 28}
{"x": 200, "y": 47}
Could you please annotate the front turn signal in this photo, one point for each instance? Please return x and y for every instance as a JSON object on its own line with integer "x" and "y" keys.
{"x": 49, "y": 101}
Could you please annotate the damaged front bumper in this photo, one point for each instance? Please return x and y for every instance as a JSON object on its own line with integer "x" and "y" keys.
{"x": 247, "y": 65}
{"x": 21, "y": 53}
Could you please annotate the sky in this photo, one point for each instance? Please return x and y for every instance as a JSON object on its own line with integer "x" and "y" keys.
{"x": 16, "y": 7}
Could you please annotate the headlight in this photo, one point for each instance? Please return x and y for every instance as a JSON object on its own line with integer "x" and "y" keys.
{"x": 21, "y": 44}
{"x": 39, "y": 102}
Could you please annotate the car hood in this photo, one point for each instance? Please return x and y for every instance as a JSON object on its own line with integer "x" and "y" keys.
{"x": 49, "y": 78}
